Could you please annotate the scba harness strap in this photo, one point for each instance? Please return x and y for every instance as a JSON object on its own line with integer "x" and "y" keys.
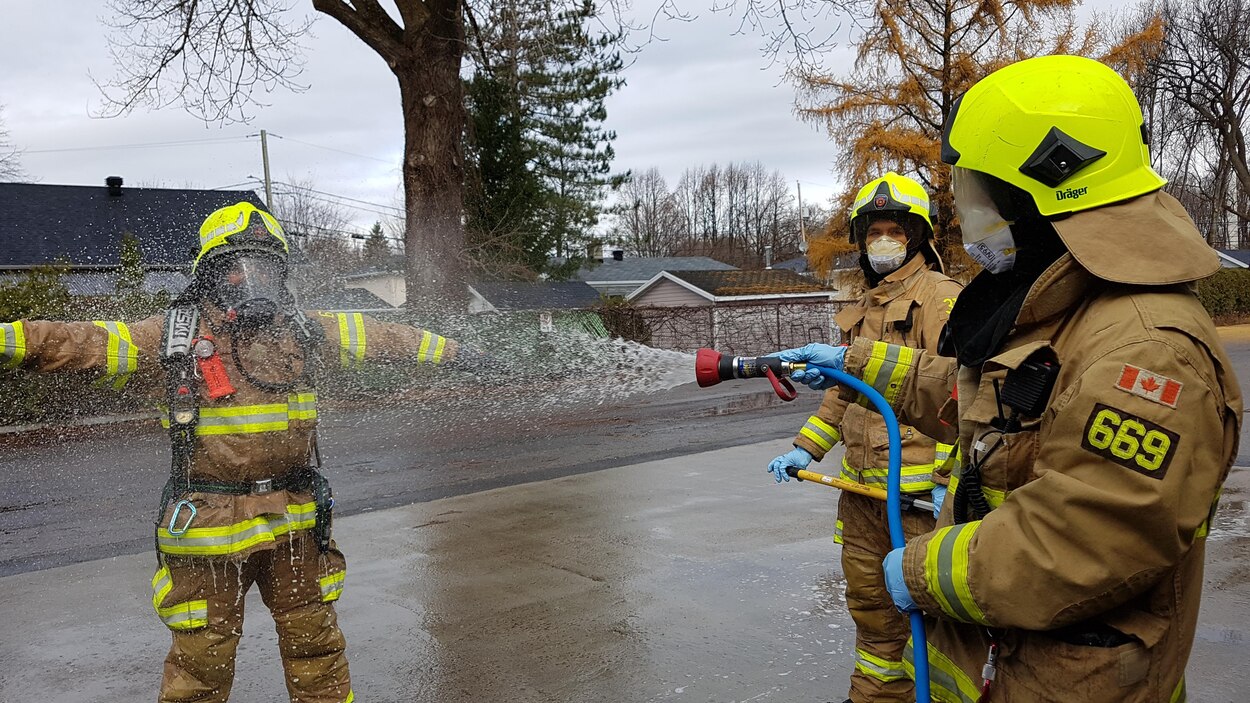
{"x": 182, "y": 324}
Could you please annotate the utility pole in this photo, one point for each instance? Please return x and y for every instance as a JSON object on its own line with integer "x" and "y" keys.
{"x": 264, "y": 155}
{"x": 802, "y": 229}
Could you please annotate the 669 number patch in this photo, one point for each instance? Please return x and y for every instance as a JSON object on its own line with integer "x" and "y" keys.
{"x": 1130, "y": 441}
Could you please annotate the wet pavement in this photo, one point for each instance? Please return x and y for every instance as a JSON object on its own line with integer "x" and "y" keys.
{"x": 600, "y": 555}
{"x": 692, "y": 578}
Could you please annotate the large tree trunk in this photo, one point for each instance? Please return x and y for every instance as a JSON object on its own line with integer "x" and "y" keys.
{"x": 430, "y": 91}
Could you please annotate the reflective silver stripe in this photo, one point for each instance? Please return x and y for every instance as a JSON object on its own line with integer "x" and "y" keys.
{"x": 879, "y": 668}
{"x": 944, "y": 676}
{"x": 882, "y": 382}
{"x": 229, "y": 539}
{"x": 302, "y": 406}
{"x": 820, "y": 432}
{"x": 351, "y": 339}
{"x": 332, "y": 585}
{"x": 837, "y": 532}
{"x": 947, "y": 567}
{"x": 431, "y": 348}
{"x": 179, "y": 616}
{"x": 12, "y": 344}
{"x": 122, "y": 356}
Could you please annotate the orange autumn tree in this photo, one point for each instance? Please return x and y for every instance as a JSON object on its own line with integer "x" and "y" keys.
{"x": 913, "y": 59}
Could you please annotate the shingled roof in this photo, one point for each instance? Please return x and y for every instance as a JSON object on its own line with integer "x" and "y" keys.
{"x": 643, "y": 268}
{"x": 82, "y": 225}
{"x": 767, "y": 282}
{"x": 544, "y": 295}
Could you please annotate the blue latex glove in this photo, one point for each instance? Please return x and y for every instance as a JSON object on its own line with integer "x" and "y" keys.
{"x": 894, "y": 582}
{"x": 797, "y": 457}
{"x": 820, "y": 355}
{"x": 939, "y": 496}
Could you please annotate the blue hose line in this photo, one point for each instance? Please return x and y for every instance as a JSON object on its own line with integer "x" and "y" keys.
{"x": 894, "y": 513}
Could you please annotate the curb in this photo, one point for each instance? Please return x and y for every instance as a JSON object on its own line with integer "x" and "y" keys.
{"x": 85, "y": 422}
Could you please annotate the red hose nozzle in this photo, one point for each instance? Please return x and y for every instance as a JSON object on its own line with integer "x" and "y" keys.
{"x": 707, "y": 367}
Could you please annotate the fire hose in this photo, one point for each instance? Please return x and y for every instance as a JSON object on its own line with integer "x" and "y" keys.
{"x": 711, "y": 367}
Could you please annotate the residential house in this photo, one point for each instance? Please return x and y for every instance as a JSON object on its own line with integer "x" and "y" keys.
{"x": 81, "y": 227}
{"x": 500, "y": 296}
{"x": 736, "y": 311}
{"x": 620, "y": 275}
{"x": 1234, "y": 258}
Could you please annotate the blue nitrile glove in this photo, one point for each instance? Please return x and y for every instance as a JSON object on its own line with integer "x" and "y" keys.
{"x": 797, "y": 457}
{"x": 819, "y": 355}
{"x": 939, "y": 495}
{"x": 894, "y": 582}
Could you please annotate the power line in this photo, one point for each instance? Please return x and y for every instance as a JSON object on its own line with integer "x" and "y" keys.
{"x": 396, "y": 210}
{"x": 330, "y": 148}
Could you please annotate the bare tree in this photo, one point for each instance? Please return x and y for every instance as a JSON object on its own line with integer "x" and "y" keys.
{"x": 318, "y": 228}
{"x": 1196, "y": 94}
{"x": 648, "y": 220}
{"x": 216, "y": 57}
{"x": 10, "y": 155}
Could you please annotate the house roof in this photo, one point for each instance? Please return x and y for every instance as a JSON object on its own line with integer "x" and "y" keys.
{"x": 738, "y": 283}
{"x": 1240, "y": 255}
{"x": 346, "y": 299}
{"x": 643, "y": 268}
{"x": 82, "y": 225}
{"x": 546, "y": 295}
{"x": 798, "y": 264}
{"x": 105, "y": 282}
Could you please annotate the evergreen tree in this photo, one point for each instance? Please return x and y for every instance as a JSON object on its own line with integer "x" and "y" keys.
{"x": 376, "y": 250}
{"x": 542, "y": 156}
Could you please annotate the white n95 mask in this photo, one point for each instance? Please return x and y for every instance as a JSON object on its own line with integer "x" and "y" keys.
{"x": 886, "y": 254}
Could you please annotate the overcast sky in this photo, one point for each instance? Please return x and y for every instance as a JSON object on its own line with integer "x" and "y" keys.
{"x": 704, "y": 95}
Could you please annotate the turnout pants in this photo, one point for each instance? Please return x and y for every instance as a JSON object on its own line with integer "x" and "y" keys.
{"x": 201, "y": 601}
{"x": 881, "y": 631}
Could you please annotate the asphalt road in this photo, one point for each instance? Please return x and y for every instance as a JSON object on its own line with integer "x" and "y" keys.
{"x": 88, "y": 493}
{"x": 91, "y": 492}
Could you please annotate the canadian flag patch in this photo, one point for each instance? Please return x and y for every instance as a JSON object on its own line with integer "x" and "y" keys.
{"x": 1149, "y": 385}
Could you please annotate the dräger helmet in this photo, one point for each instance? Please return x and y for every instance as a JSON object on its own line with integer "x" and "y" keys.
{"x": 240, "y": 227}
{"x": 890, "y": 194}
{"x": 242, "y": 265}
{"x": 903, "y": 200}
{"x": 1069, "y": 132}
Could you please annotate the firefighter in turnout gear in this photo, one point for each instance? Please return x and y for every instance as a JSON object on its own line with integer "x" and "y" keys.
{"x": 907, "y": 301}
{"x": 233, "y": 365}
{"x": 1095, "y": 406}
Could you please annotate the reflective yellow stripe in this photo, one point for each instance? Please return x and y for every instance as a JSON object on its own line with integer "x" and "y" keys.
{"x": 947, "y": 682}
{"x": 351, "y": 339}
{"x": 351, "y": 696}
{"x": 438, "y": 349}
{"x": 992, "y": 496}
{"x": 917, "y": 478}
{"x": 1178, "y": 693}
{"x": 12, "y": 344}
{"x": 1205, "y": 528}
{"x": 887, "y": 367}
{"x": 250, "y": 419}
{"x": 837, "y": 532}
{"x": 878, "y": 668}
{"x": 122, "y": 356}
{"x": 231, "y": 539}
{"x": 821, "y": 433}
{"x": 179, "y": 616}
{"x": 946, "y": 572}
{"x": 302, "y": 406}
{"x": 331, "y": 586}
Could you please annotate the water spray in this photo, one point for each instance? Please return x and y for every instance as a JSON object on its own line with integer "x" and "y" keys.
{"x": 712, "y": 367}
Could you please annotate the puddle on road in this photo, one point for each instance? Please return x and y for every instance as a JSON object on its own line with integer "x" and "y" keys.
{"x": 1232, "y": 521}
{"x": 1222, "y": 635}
{"x": 745, "y": 403}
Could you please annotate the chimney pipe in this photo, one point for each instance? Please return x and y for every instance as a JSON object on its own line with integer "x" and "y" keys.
{"x": 768, "y": 256}
{"x": 114, "y": 184}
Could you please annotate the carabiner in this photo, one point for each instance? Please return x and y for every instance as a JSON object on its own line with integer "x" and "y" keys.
{"x": 174, "y": 530}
